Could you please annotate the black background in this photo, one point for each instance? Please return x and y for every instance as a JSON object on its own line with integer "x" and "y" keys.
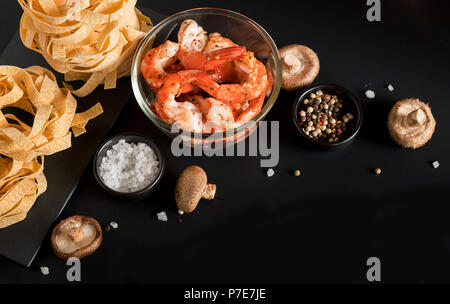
{"x": 323, "y": 226}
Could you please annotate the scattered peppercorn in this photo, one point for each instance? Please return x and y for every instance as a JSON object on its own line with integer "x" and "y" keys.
{"x": 297, "y": 172}
{"x": 377, "y": 171}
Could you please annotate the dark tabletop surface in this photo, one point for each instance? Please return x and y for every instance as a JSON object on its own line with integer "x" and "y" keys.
{"x": 321, "y": 227}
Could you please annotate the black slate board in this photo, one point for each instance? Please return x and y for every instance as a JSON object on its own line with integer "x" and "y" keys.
{"x": 22, "y": 241}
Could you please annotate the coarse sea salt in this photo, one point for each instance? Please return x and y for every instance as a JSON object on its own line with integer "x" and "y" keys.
{"x": 370, "y": 94}
{"x": 45, "y": 270}
{"x": 162, "y": 216}
{"x": 129, "y": 167}
{"x": 436, "y": 164}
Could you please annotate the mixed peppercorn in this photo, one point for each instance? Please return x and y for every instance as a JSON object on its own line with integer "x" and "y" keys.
{"x": 322, "y": 118}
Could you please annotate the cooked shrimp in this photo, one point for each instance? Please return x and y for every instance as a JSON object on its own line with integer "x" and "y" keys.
{"x": 253, "y": 82}
{"x": 192, "y": 37}
{"x": 213, "y": 61}
{"x": 217, "y": 42}
{"x": 233, "y": 93}
{"x": 156, "y": 61}
{"x": 218, "y": 115}
{"x": 251, "y": 109}
{"x": 215, "y": 86}
{"x": 254, "y": 75}
{"x": 185, "y": 114}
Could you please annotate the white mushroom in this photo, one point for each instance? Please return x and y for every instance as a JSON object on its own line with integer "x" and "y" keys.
{"x": 300, "y": 66}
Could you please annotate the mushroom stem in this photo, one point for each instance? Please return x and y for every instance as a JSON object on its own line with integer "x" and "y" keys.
{"x": 210, "y": 192}
{"x": 417, "y": 117}
{"x": 291, "y": 60}
{"x": 292, "y": 63}
{"x": 77, "y": 234}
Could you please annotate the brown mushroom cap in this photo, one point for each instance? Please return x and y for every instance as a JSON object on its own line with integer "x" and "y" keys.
{"x": 300, "y": 66}
{"x": 192, "y": 185}
{"x": 411, "y": 123}
{"x": 77, "y": 236}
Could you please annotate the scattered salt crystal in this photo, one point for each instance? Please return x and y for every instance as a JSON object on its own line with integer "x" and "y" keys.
{"x": 270, "y": 173}
{"x": 436, "y": 164}
{"x": 162, "y": 216}
{"x": 390, "y": 88}
{"x": 45, "y": 270}
{"x": 129, "y": 167}
{"x": 370, "y": 94}
{"x": 114, "y": 225}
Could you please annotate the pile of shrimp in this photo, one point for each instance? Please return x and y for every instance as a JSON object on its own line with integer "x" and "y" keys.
{"x": 205, "y": 83}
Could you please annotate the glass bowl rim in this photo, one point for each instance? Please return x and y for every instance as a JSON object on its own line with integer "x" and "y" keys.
{"x": 267, "y": 105}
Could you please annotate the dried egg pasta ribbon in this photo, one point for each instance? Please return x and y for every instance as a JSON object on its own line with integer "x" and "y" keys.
{"x": 89, "y": 39}
{"x": 22, "y": 147}
{"x": 11, "y": 220}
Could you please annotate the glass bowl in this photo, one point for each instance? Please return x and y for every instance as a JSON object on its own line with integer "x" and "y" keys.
{"x": 241, "y": 30}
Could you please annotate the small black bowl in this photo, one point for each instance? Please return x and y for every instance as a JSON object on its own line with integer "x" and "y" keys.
{"x": 351, "y": 105}
{"x": 130, "y": 138}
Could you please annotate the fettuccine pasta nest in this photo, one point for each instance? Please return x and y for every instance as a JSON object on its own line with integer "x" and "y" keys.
{"x": 23, "y": 147}
{"x": 89, "y": 40}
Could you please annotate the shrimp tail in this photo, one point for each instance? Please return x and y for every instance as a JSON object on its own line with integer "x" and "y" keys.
{"x": 231, "y": 93}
